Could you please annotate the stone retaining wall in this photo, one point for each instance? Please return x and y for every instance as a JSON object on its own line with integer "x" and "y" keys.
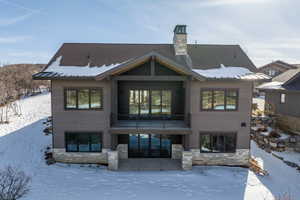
{"x": 60, "y": 155}
{"x": 123, "y": 151}
{"x": 187, "y": 160}
{"x": 177, "y": 150}
{"x": 239, "y": 158}
{"x": 113, "y": 160}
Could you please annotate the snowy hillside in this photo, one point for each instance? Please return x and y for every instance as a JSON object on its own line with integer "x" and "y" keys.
{"x": 22, "y": 143}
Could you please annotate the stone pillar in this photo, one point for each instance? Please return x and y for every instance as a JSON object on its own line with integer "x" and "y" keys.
{"x": 123, "y": 151}
{"x": 177, "y": 151}
{"x": 113, "y": 160}
{"x": 187, "y": 160}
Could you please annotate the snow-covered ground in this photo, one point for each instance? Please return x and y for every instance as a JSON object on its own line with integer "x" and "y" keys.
{"x": 260, "y": 101}
{"x": 22, "y": 143}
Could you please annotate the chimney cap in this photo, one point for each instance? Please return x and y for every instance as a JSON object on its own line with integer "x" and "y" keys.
{"x": 180, "y": 29}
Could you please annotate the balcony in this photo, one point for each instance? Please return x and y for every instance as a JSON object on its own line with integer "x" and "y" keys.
{"x": 179, "y": 124}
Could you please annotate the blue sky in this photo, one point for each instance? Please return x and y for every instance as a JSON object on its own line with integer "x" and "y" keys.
{"x": 32, "y": 30}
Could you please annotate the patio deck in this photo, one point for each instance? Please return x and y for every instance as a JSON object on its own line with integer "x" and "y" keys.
{"x": 149, "y": 164}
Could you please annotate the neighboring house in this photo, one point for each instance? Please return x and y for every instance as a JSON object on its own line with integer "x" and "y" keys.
{"x": 282, "y": 98}
{"x": 151, "y": 100}
{"x": 276, "y": 68}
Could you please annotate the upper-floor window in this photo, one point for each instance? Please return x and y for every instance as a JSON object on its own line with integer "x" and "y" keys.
{"x": 83, "y": 98}
{"x": 282, "y": 98}
{"x": 218, "y": 142}
{"x": 219, "y": 99}
{"x": 83, "y": 142}
{"x": 146, "y": 102}
{"x": 272, "y": 72}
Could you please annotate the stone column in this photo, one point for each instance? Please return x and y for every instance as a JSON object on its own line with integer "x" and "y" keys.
{"x": 113, "y": 160}
{"x": 177, "y": 151}
{"x": 123, "y": 151}
{"x": 187, "y": 160}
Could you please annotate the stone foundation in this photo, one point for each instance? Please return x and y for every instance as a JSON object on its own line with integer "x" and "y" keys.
{"x": 239, "y": 158}
{"x": 60, "y": 155}
{"x": 187, "y": 160}
{"x": 289, "y": 123}
{"x": 113, "y": 160}
{"x": 177, "y": 150}
{"x": 123, "y": 151}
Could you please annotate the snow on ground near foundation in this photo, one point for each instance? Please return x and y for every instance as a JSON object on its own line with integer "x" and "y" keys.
{"x": 289, "y": 156}
{"x": 78, "y": 70}
{"x": 260, "y": 101}
{"x": 223, "y": 72}
{"x": 22, "y": 143}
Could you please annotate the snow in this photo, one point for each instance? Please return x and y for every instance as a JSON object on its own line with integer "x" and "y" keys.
{"x": 289, "y": 156}
{"x": 78, "y": 70}
{"x": 223, "y": 72}
{"x": 267, "y": 133}
{"x": 260, "y": 101}
{"x": 22, "y": 144}
{"x": 271, "y": 85}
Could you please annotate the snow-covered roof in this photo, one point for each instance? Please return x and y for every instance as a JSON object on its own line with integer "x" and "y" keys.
{"x": 57, "y": 70}
{"x": 224, "y": 72}
{"x": 274, "y": 85}
{"x": 76, "y": 71}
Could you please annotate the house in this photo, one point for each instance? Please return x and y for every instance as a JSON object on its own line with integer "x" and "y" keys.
{"x": 178, "y": 101}
{"x": 282, "y": 97}
{"x": 275, "y": 68}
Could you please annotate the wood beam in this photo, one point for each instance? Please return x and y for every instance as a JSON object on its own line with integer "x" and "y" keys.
{"x": 149, "y": 78}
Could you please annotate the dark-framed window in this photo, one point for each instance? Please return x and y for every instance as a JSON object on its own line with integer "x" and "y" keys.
{"x": 83, "y": 98}
{"x": 83, "y": 142}
{"x": 218, "y": 142}
{"x": 146, "y": 102}
{"x": 219, "y": 99}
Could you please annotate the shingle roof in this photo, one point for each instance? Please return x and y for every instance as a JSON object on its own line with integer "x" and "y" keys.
{"x": 280, "y": 63}
{"x": 202, "y": 56}
{"x": 283, "y": 81}
{"x": 287, "y": 75}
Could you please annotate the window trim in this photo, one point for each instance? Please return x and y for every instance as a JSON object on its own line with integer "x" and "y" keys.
{"x": 281, "y": 95}
{"x": 217, "y": 134}
{"x": 225, "y": 99}
{"x": 83, "y": 88}
{"x": 83, "y": 132}
{"x": 150, "y": 90}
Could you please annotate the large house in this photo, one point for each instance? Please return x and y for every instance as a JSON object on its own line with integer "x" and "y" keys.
{"x": 276, "y": 68}
{"x": 282, "y": 98}
{"x": 178, "y": 101}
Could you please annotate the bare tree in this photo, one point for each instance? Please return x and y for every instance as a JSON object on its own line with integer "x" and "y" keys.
{"x": 14, "y": 184}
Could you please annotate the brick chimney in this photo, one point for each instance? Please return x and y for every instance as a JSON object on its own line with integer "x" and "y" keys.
{"x": 180, "y": 40}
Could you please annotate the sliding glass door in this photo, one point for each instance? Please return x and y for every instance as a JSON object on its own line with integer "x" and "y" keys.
{"x": 149, "y": 146}
{"x": 146, "y": 103}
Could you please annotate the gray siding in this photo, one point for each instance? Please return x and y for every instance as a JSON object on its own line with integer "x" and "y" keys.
{"x": 79, "y": 120}
{"x": 291, "y": 105}
{"x": 221, "y": 121}
{"x": 201, "y": 121}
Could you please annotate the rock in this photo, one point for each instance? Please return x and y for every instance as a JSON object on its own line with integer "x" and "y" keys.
{"x": 291, "y": 164}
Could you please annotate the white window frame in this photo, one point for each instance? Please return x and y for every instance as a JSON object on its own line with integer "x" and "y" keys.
{"x": 282, "y": 97}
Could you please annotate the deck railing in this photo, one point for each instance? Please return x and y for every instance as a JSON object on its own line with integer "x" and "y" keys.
{"x": 140, "y": 121}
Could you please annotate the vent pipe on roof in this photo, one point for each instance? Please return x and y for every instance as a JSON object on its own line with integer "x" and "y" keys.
{"x": 180, "y": 40}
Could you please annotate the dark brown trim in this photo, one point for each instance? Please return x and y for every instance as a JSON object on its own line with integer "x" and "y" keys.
{"x": 82, "y": 88}
{"x": 217, "y": 133}
{"x": 83, "y": 132}
{"x": 149, "y": 78}
{"x": 166, "y": 131}
{"x": 225, "y": 99}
